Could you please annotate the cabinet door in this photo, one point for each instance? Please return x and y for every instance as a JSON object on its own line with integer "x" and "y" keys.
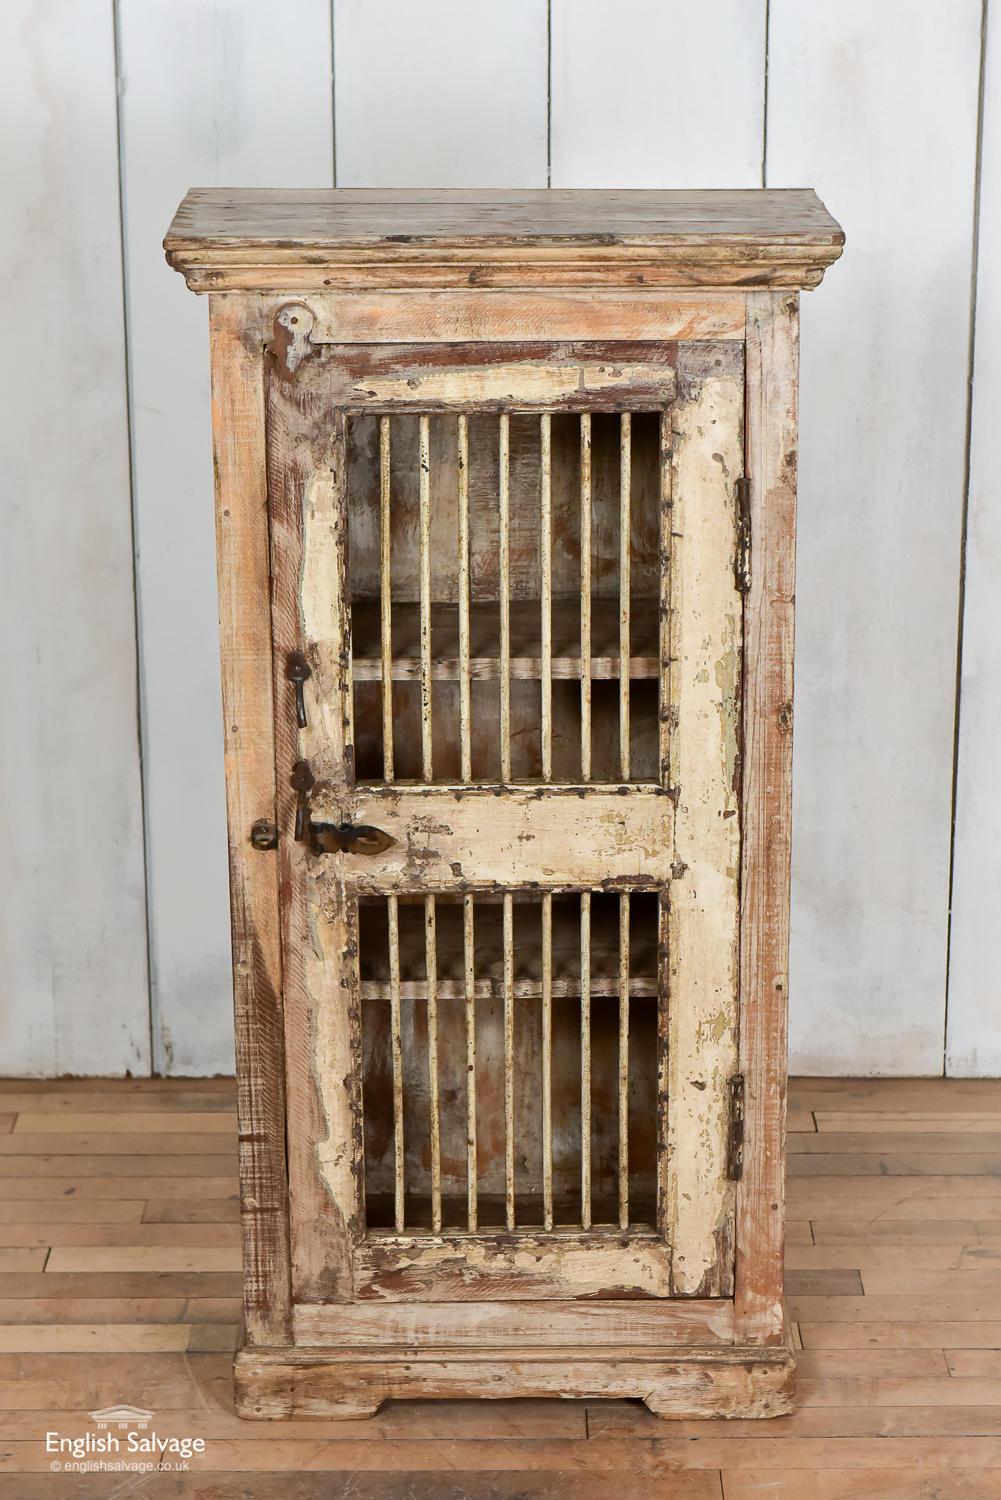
{"x": 510, "y": 962}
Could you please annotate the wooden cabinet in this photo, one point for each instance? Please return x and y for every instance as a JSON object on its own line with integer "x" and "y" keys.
{"x": 505, "y": 490}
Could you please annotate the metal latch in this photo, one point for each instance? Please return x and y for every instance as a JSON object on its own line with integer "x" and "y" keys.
{"x": 735, "y": 1135}
{"x": 331, "y": 838}
{"x": 297, "y": 670}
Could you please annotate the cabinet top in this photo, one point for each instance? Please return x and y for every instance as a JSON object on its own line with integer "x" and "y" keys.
{"x": 236, "y": 239}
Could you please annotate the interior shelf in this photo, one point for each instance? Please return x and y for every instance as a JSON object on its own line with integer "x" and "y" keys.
{"x": 526, "y": 639}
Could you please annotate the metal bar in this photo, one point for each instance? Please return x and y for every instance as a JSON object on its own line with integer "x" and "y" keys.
{"x": 431, "y": 962}
{"x": 625, "y": 539}
{"x": 585, "y": 597}
{"x": 663, "y": 1209}
{"x": 425, "y": 575}
{"x": 585, "y": 1059}
{"x": 624, "y": 1060}
{"x": 663, "y": 1068}
{"x": 469, "y": 957}
{"x": 664, "y": 670}
{"x": 546, "y": 569}
{"x": 396, "y": 1048}
{"x": 547, "y": 1060}
{"x": 386, "y": 599}
{"x": 508, "y": 928}
{"x": 504, "y": 579}
{"x": 465, "y": 735}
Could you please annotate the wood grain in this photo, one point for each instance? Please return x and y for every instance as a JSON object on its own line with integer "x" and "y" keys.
{"x": 772, "y": 375}
{"x": 703, "y": 918}
{"x": 248, "y": 737}
{"x": 257, "y": 239}
{"x": 901, "y": 1394}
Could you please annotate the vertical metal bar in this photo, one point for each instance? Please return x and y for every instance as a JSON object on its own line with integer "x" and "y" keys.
{"x": 585, "y": 1059}
{"x": 624, "y": 1060}
{"x": 396, "y": 1048}
{"x": 663, "y": 1068}
{"x": 469, "y": 958}
{"x": 585, "y": 597}
{"x": 425, "y": 576}
{"x": 431, "y": 963}
{"x": 547, "y": 1060}
{"x": 386, "y": 599}
{"x": 546, "y": 569}
{"x": 504, "y": 590}
{"x": 465, "y": 736}
{"x": 664, "y": 666}
{"x": 508, "y": 1060}
{"x": 625, "y": 548}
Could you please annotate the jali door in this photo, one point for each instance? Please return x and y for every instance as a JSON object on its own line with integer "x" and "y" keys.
{"x": 507, "y": 617}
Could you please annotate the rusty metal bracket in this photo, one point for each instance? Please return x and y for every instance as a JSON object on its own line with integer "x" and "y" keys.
{"x": 742, "y": 549}
{"x": 298, "y": 671}
{"x": 291, "y": 339}
{"x": 735, "y": 1133}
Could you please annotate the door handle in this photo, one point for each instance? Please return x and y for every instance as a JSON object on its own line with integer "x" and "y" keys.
{"x": 348, "y": 838}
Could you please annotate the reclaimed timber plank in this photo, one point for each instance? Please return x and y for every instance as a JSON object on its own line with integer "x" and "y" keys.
{"x": 114, "y": 1187}
{"x": 900, "y": 1335}
{"x": 167, "y": 1258}
{"x": 971, "y": 1232}
{"x": 128, "y": 1122}
{"x": 858, "y": 1484}
{"x": 960, "y": 1307}
{"x": 94, "y": 1338}
{"x": 207, "y": 1211}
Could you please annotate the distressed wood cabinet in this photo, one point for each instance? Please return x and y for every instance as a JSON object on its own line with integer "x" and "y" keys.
{"x": 505, "y": 490}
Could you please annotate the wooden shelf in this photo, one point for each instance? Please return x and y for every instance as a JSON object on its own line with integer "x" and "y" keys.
{"x": 526, "y": 643}
{"x": 528, "y": 949}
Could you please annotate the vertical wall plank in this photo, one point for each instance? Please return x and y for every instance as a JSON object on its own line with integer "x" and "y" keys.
{"x": 448, "y": 93}
{"x": 658, "y": 93}
{"x": 876, "y": 106}
{"x": 72, "y": 904}
{"x": 973, "y": 1041}
{"x": 212, "y": 93}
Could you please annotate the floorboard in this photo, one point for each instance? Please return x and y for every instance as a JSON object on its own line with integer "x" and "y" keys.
{"x": 120, "y": 1282}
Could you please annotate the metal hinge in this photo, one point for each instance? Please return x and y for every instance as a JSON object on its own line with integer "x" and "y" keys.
{"x": 735, "y": 1134}
{"x": 742, "y": 550}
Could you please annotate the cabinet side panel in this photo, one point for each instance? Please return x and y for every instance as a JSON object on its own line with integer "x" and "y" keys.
{"x": 703, "y": 914}
{"x": 772, "y": 375}
{"x": 245, "y": 630}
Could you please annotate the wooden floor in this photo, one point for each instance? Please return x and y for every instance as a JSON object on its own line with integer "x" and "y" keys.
{"x": 120, "y": 1281}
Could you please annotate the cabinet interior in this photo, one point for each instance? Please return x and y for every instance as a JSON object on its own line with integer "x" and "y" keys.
{"x": 516, "y": 555}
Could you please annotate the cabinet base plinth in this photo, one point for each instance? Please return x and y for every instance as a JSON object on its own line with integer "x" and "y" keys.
{"x": 731, "y": 1381}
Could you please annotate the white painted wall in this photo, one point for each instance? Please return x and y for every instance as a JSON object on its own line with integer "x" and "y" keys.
{"x": 201, "y": 101}
{"x": 73, "y": 988}
{"x": 875, "y": 105}
{"x": 973, "y": 1034}
{"x": 885, "y": 359}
